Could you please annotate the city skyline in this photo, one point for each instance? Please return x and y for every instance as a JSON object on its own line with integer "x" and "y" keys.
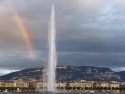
{"x": 89, "y": 33}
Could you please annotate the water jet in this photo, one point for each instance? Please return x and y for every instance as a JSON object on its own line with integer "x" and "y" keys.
{"x": 52, "y": 57}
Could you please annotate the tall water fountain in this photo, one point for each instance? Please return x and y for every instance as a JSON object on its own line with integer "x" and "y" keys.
{"x": 52, "y": 59}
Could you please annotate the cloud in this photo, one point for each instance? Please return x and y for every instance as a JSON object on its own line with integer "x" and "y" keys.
{"x": 92, "y": 59}
{"x": 117, "y": 69}
{"x": 88, "y": 32}
{"x": 4, "y": 71}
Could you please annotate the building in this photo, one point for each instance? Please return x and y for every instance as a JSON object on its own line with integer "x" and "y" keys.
{"x": 21, "y": 83}
{"x": 81, "y": 85}
{"x": 114, "y": 85}
{"x": 7, "y": 83}
{"x": 101, "y": 84}
{"x": 61, "y": 85}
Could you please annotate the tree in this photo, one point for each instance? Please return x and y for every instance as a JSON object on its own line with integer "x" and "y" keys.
{"x": 90, "y": 88}
{"x": 109, "y": 88}
{"x": 123, "y": 88}
{"x": 113, "y": 88}
{"x": 116, "y": 88}
{"x": 94, "y": 88}
{"x": 78, "y": 88}
{"x": 101, "y": 88}
{"x": 86, "y": 88}
{"x": 70, "y": 88}
{"x": 97, "y": 88}
{"x": 58, "y": 87}
{"x": 67, "y": 88}
{"x": 74, "y": 88}
{"x": 61, "y": 87}
{"x": 105, "y": 88}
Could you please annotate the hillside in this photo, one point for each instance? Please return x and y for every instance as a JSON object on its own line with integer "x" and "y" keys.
{"x": 122, "y": 75}
{"x": 68, "y": 73}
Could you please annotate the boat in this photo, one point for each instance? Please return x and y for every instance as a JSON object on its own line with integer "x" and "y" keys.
{"x": 5, "y": 90}
{"x": 91, "y": 91}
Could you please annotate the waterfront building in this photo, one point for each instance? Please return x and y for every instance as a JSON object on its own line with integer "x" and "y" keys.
{"x": 7, "y": 83}
{"x": 74, "y": 85}
{"x": 40, "y": 84}
{"x": 80, "y": 85}
{"x": 122, "y": 85}
{"x": 101, "y": 84}
{"x": 61, "y": 85}
{"x": 114, "y": 85}
{"x": 21, "y": 83}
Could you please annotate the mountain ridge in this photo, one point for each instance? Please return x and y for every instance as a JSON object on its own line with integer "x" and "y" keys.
{"x": 69, "y": 73}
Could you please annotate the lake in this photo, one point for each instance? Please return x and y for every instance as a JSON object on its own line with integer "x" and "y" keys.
{"x": 59, "y": 93}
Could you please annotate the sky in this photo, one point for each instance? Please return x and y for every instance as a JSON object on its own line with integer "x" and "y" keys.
{"x": 88, "y": 33}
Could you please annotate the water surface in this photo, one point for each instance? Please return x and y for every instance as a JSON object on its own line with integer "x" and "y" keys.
{"x": 59, "y": 93}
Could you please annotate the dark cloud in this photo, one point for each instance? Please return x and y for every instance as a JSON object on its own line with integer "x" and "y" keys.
{"x": 92, "y": 59}
{"x": 88, "y": 32}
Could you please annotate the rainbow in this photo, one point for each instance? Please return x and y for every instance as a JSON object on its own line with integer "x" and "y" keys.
{"x": 24, "y": 33}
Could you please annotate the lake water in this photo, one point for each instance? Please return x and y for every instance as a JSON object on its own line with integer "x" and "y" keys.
{"x": 59, "y": 93}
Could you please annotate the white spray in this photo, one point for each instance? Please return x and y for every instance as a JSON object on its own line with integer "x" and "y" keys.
{"x": 52, "y": 59}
